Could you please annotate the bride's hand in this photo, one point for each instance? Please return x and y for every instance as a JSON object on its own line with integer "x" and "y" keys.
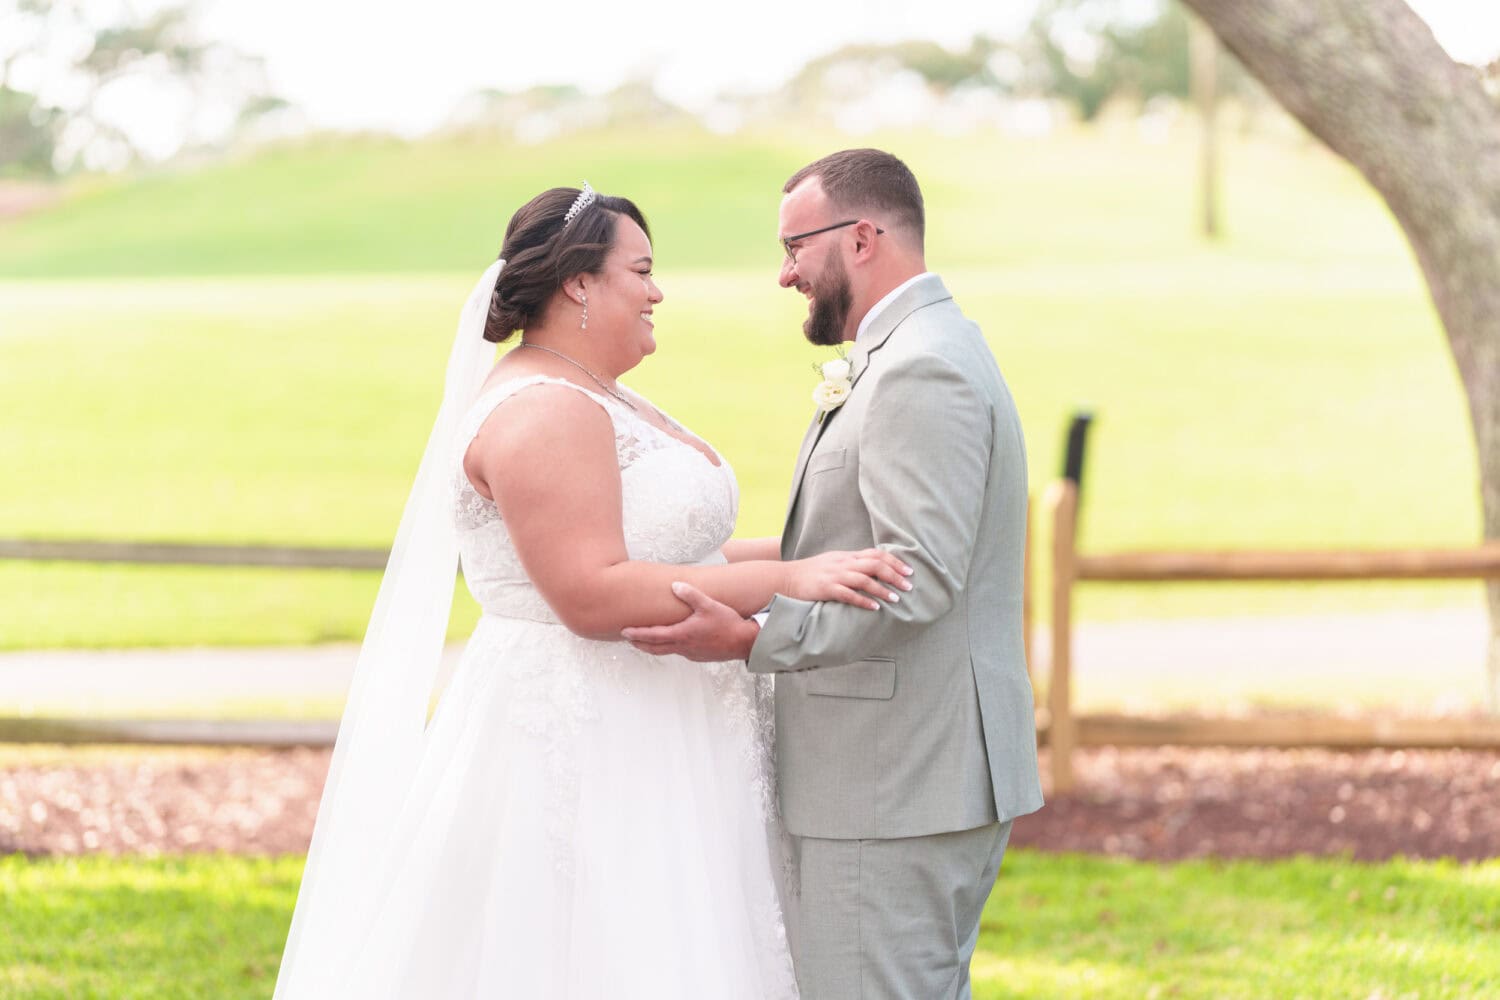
{"x": 851, "y": 577}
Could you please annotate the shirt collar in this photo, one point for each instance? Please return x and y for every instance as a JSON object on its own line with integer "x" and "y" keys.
{"x": 890, "y": 297}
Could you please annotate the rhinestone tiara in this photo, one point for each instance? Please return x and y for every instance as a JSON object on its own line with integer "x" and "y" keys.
{"x": 584, "y": 200}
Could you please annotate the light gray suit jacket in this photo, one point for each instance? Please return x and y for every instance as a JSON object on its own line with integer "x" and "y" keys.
{"x": 917, "y": 718}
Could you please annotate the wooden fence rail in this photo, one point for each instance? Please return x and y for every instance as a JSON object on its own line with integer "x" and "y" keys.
{"x": 1409, "y": 564}
{"x": 209, "y": 732}
{"x": 1063, "y": 729}
{"x": 1067, "y": 731}
{"x": 1292, "y": 731}
{"x": 271, "y": 733}
{"x": 171, "y": 553}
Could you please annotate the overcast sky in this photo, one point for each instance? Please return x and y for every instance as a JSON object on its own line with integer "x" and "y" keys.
{"x": 403, "y": 65}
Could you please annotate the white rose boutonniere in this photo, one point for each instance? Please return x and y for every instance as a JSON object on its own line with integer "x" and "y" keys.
{"x": 834, "y": 389}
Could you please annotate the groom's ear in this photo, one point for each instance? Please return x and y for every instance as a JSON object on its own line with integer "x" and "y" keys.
{"x": 865, "y": 234}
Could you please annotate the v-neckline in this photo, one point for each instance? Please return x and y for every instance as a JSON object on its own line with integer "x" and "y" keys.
{"x": 708, "y": 452}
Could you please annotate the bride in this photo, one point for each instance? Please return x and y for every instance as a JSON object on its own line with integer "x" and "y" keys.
{"x": 577, "y": 819}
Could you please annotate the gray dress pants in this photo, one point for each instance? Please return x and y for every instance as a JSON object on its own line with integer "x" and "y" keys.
{"x": 892, "y": 919}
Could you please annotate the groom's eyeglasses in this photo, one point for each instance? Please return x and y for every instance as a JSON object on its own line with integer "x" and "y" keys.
{"x": 791, "y": 253}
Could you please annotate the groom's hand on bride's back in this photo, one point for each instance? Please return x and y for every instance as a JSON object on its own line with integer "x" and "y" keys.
{"x": 710, "y": 633}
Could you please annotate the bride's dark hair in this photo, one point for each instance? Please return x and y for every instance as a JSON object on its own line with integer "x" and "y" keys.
{"x": 540, "y": 253}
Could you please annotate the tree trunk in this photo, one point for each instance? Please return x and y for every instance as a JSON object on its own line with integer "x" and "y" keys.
{"x": 1369, "y": 79}
{"x": 1203, "y": 73}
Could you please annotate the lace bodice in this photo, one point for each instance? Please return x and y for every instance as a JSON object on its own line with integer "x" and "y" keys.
{"x": 677, "y": 506}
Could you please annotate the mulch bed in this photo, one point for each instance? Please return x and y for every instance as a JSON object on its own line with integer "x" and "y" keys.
{"x": 1171, "y": 803}
{"x": 1162, "y": 804}
{"x": 167, "y": 801}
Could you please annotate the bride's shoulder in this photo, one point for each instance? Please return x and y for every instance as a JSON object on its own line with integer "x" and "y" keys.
{"x": 529, "y": 441}
{"x": 533, "y": 413}
{"x": 531, "y": 390}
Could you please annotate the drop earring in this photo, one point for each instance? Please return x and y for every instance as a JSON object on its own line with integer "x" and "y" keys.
{"x": 584, "y": 299}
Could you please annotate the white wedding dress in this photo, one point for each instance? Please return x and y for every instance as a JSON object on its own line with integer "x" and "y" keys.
{"x": 587, "y": 821}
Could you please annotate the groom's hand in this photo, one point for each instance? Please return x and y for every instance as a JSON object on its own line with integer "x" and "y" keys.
{"x": 712, "y": 632}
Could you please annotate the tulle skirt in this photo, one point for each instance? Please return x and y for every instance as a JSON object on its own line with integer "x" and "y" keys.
{"x": 587, "y": 821}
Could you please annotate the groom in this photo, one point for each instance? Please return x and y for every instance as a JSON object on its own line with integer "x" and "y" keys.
{"x": 905, "y": 737}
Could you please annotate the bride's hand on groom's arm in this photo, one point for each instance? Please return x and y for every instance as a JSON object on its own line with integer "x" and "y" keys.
{"x": 857, "y": 578}
{"x": 714, "y": 632}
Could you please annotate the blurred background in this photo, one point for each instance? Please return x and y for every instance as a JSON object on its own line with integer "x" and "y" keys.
{"x": 234, "y": 239}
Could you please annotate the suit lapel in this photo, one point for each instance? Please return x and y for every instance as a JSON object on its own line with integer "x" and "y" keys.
{"x": 814, "y": 431}
{"x": 924, "y": 292}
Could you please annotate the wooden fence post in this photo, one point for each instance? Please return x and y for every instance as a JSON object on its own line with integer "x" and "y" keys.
{"x": 1062, "y": 736}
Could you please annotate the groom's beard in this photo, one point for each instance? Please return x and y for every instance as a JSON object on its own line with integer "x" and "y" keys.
{"x": 830, "y": 307}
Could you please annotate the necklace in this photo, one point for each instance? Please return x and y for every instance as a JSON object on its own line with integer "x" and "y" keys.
{"x": 597, "y": 380}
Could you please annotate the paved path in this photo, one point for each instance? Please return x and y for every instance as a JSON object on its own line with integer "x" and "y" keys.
{"x": 1430, "y": 660}
{"x": 1417, "y": 660}
{"x": 310, "y": 680}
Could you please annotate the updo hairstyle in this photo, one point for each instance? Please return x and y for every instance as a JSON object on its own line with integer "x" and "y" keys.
{"x": 540, "y": 253}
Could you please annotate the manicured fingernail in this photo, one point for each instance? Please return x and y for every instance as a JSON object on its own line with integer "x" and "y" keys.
{"x": 906, "y": 569}
{"x": 677, "y": 587}
{"x": 904, "y": 584}
{"x": 895, "y": 597}
{"x": 874, "y": 605}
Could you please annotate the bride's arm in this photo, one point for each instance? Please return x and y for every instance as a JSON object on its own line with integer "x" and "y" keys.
{"x": 547, "y": 458}
{"x": 745, "y": 549}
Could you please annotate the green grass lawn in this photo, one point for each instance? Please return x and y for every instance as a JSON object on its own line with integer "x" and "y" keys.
{"x": 1071, "y": 926}
{"x": 180, "y": 362}
{"x": 1057, "y": 926}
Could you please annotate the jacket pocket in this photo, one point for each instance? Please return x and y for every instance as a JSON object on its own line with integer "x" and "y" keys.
{"x": 825, "y": 460}
{"x": 873, "y": 678}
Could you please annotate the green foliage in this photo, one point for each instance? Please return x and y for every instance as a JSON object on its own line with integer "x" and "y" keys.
{"x": 1153, "y": 57}
{"x": 942, "y": 67}
{"x": 1086, "y": 81}
{"x": 1055, "y": 926}
{"x": 166, "y": 35}
{"x": 95, "y": 47}
{"x": 1089, "y": 52}
{"x": 1083, "y": 52}
{"x": 28, "y": 133}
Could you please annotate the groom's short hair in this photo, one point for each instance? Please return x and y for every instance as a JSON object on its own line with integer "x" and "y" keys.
{"x": 869, "y": 180}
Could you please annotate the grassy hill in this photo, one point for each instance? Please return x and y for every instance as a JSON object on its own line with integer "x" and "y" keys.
{"x": 251, "y": 351}
{"x": 378, "y": 205}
